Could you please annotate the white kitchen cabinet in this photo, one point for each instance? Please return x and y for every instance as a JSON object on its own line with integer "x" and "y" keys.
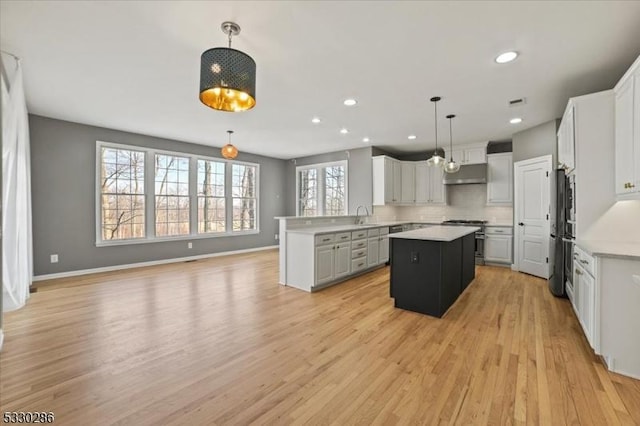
{"x": 423, "y": 182}
{"x": 437, "y": 192}
{"x": 498, "y": 244}
{"x": 500, "y": 179}
{"x": 408, "y": 179}
{"x": 373, "y": 249}
{"x": 468, "y": 154}
{"x": 342, "y": 260}
{"x": 627, "y": 134}
{"x": 566, "y": 140}
{"x": 383, "y": 252}
{"x": 324, "y": 264}
{"x": 387, "y": 180}
{"x": 429, "y": 188}
{"x": 584, "y": 294}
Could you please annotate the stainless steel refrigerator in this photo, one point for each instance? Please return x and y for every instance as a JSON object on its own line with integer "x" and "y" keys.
{"x": 562, "y": 240}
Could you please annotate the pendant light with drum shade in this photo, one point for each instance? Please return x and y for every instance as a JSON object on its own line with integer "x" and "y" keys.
{"x": 451, "y": 166}
{"x": 227, "y": 76}
{"x": 229, "y": 151}
{"x": 436, "y": 160}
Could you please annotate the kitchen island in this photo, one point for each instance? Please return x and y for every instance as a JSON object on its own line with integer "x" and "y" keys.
{"x": 431, "y": 267}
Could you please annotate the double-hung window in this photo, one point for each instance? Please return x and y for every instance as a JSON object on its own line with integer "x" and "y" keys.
{"x": 122, "y": 194}
{"x": 322, "y": 189}
{"x": 144, "y": 195}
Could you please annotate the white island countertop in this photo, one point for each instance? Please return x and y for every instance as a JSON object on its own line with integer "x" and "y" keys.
{"x": 437, "y": 233}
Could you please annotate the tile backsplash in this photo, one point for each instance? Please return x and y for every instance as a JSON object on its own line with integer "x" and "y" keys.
{"x": 463, "y": 202}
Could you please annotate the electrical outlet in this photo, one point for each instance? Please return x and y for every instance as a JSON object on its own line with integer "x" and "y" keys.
{"x": 415, "y": 257}
{"x": 54, "y": 258}
{"x": 333, "y": 221}
{"x": 277, "y": 236}
{"x": 307, "y": 222}
{"x": 189, "y": 245}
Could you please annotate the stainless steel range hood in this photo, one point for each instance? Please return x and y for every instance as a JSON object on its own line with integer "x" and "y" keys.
{"x": 471, "y": 173}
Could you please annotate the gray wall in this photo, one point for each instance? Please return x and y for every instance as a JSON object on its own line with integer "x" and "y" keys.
{"x": 63, "y": 193}
{"x": 360, "y": 177}
{"x": 536, "y": 142}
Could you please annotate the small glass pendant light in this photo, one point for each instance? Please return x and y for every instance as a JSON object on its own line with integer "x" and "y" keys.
{"x": 451, "y": 166}
{"x": 436, "y": 160}
{"x": 229, "y": 151}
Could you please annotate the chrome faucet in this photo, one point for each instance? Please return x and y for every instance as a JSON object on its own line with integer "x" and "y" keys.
{"x": 360, "y": 221}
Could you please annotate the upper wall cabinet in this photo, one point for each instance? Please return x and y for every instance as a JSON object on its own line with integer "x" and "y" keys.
{"x": 500, "y": 179}
{"x": 406, "y": 182}
{"x": 566, "y": 141}
{"x": 627, "y": 134}
{"x": 468, "y": 154}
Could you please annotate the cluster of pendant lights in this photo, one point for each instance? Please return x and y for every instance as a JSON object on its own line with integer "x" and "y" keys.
{"x": 436, "y": 160}
{"x": 228, "y": 81}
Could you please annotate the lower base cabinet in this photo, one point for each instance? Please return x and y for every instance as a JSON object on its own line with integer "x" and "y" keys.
{"x": 498, "y": 244}
{"x": 335, "y": 257}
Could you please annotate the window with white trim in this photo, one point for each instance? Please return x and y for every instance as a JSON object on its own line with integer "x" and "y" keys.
{"x": 122, "y": 194}
{"x": 187, "y": 196}
{"x": 321, "y": 189}
{"x": 211, "y": 197}
{"x": 244, "y": 197}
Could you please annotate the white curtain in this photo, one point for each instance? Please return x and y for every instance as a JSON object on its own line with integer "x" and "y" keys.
{"x": 17, "y": 252}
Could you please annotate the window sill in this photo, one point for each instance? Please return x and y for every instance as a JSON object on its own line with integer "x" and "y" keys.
{"x": 177, "y": 238}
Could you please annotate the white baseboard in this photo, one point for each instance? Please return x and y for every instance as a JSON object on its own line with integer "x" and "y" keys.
{"x": 142, "y": 264}
{"x": 1, "y": 338}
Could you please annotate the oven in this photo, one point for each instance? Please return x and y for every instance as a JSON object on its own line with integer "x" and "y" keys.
{"x": 480, "y": 247}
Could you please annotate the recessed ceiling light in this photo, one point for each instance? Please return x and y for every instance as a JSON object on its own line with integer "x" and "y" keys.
{"x": 344, "y": 131}
{"x": 515, "y": 120}
{"x": 411, "y": 137}
{"x": 505, "y": 57}
{"x": 350, "y": 102}
{"x": 315, "y": 120}
{"x": 365, "y": 140}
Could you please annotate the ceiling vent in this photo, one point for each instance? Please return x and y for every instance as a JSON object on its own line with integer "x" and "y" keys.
{"x": 517, "y": 102}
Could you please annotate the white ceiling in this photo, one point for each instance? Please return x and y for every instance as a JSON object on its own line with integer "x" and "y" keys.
{"x": 134, "y": 66}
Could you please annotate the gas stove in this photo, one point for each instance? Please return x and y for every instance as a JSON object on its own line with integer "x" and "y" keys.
{"x": 465, "y": 222}
{"x": 479, "y": 250}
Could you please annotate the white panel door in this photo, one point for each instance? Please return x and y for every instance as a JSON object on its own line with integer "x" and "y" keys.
{"x": 324, "y": 264}
{"x": 422, "y": 182}
{"x": 408, "y": 182}
{"x": 383, "y": 253}
{"x": 624, "y": 148}
{"x": 532, "y": 215}
{"x": 437, "y": 193}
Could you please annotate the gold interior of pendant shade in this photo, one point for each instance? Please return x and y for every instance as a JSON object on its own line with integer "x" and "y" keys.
{"x": 229, "y": 151}
{"x": 227, "y": 99}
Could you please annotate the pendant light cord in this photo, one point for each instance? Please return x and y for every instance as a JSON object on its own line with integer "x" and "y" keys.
{"x": 451, "y": 139}
{"x": 230, "y": 31}
{"x": 435, "y": 120}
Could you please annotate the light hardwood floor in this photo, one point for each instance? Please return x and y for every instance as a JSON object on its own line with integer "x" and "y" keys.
{"x": 218, "y": 341}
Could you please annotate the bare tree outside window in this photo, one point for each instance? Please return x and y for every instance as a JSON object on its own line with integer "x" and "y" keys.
{"x": 244, "y": 197}
{"x": 211, "y": 196}
{"x": 322, "y": 190}
{"x": 172, "y": 195}
{"x": 308, "y": 192}
{"x": 122, "y": 197}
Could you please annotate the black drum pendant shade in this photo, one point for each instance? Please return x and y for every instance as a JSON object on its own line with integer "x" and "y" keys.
{"x": 227, "y": 76}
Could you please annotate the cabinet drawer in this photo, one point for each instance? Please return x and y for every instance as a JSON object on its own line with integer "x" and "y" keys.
{"x": 359, "y": 264}
{"x": 498, "y": 230}
{"x": 359, "y": 244}
{"x": 355, "y": 235}
{"x": 325, "y": 239}
{"x": 585, "y": 260}
{"x": 373, "y": 232}
{"x": 358, "y": 253}
{"x": 384, "y": 231}
{"x": 344, "y": 236}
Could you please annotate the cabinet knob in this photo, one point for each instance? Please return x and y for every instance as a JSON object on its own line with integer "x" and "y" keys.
{"x": 578, "y": 272}
{"x": 521, "y": 224}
